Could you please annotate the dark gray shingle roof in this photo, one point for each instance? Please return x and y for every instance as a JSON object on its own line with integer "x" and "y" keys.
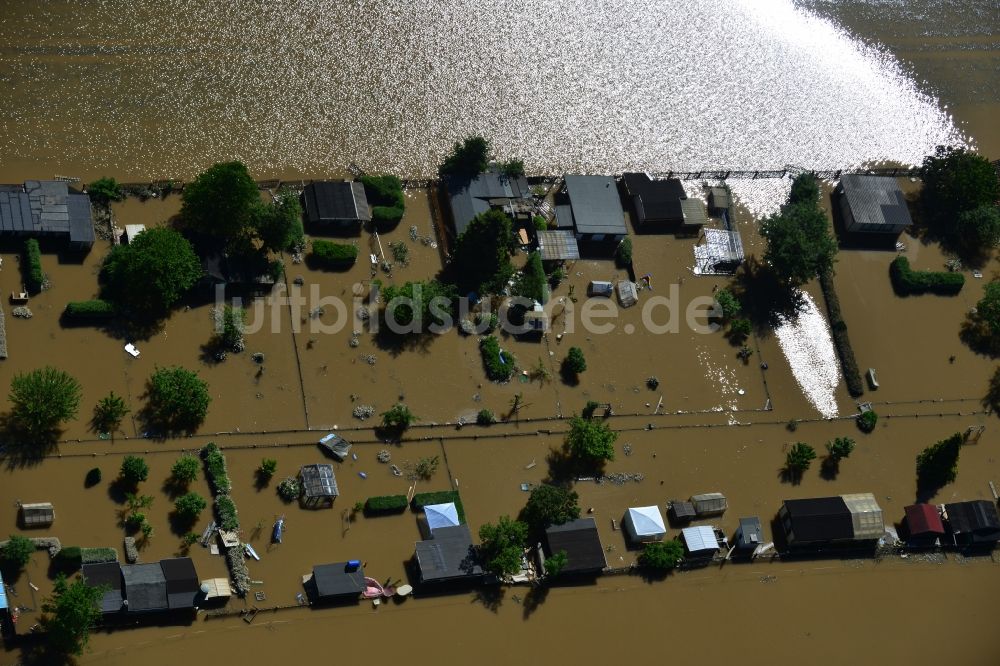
{"x": 181, "y": 580}
{"x": 335, "y": 580}
{"x": 595, "y": 204}
{"x": 581, "y": 542}
{"x": 470, "y": 198}
{"x": 107, "y": 575}
{"x": 335, "y": 202}
{"x": 145, "y": 587}
{"x": 448, "y": 555}
{"x": 876, "y": 201}
{"x": 46, "y": 208}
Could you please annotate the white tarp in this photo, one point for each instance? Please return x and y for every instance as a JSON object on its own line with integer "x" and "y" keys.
{"x": 700, "y": 538}
{"x": 644, "y": 523}
{"x": 441, "y": 515}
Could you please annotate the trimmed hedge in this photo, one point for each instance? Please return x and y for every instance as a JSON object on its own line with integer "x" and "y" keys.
{"x": 95, "y": 310}
{"x": 848, "y": 364}
{"x": 496, "y": 370}
{"x": 98, "y": 555}
{"x": 906, "y": 281}
{"x": 386, "y": 214}
{"x": 225, "y": 511}
{"x": 69, "y": 558}
{"x": 34, "y": 278}
{"x": 333, "y": 255}
{"x": 215, "y": 468}
{"x": 420, "y": 500}
{"x": 386, "y": 504}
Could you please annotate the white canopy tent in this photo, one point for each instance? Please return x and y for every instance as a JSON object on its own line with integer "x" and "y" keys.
{"x": 441, "y": 515}
{"x": 644, "y": 523}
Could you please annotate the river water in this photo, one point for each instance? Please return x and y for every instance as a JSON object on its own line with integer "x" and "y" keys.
{"x": 142, "y": 90}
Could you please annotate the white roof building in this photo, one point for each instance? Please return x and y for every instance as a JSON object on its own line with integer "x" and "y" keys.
{"x": 644, "y": 523}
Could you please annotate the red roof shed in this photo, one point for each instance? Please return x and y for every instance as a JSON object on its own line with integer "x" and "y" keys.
{"x": 923, "y": 519}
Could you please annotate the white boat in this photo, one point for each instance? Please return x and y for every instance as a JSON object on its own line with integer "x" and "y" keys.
{"x": 131, "y": 349}
{"x": 248, "y": 549}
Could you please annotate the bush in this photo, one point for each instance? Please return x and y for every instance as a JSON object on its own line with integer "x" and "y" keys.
{"x": 399, "y": 417}
{"x": 728, "y": 303}
{"x": 848, "y": 364}
{"x": 215, "y": 466}
{"x": 623, "y": 254}
{"x": 867, "y": 421}
{"x": 41, "y": 400}
{"x": 225, "y": 512}
{"x": 93, "y": 310}
{"x": 69, "y": 558}
{"x": 268, "y": 466}
{"x": 109, "y": 412}
{"x": 289, "y": 489}
{"x": 906, "y": 281}
{"x": 134, "y": 469}
{"x": 661, "y": 555}
{"x": 385, "y": 191}
{"x": 185, "y": 470}
{"x": 178, "y": 398}
{"x": 333, "y": 255}
{"x": 34, "y": 278}
{"x": 575, "y": 361}
{"x": 591, "y": 442}
{"x": 97, "y": 555}
{"x": 93, "y": 477}
{"x": 531, "y": 282}
{"x": 105, "y": 190}
{"x": 485, "y": 417}
{"x": 937, "y": 465}
{"x": 467, "y": 158}
{"x": 190, "y": 506}
{"x": 540, "y": 223}
{"x": 739, "y": 330}
{"x": 513, "y": 168}
{"x": 420, "y": 500}
{"x": 386, "y": 215}
{"x": 496, "y": 369}
{"x": 18, "y": 550}
{"x": 386, "y": 504}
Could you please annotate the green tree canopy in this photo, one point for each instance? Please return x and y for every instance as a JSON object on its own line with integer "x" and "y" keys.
{"x": 133, "y": 471}
{"x": 956, "y": 180}
{"x": 937, "y": 465}
{"x": 556, "y": 563}
{"x": 798, "y": 459}
{"x": 590, "y": 441}
{"x": 279, "y": 224}
{"x": 69, "y": 615}
{"x": 575, "y": 362}
{"x": 17, "y": 550}
{"x": 430, "y": 302}
{"x": 513, "y": 168}
{"x": 503, "y": 545}
{"x": 976, "y": 232}
{"x": 531, "y": 282}
{"x": 189, "y": 506}
{"x": 799, "y": 244}
{"x": 481, "y": 256}
{"x": 804, "y": 190}
{"x": 221, "y": 201}
{"x": 549, "y": 505}
{"x": 467, "y": 158}
{"x": 728, "y": 304}
{"x": 661, "y": 555}
{"x": 983, "y": 328}
{"x": 178, "y": 399}
{"x": 150, "y": 274}
{"x": 109, "y": 412}
{"x": 185, "y": 469}
{"x": 399, "y": 417}
{"x": 840, "y": 448}
{"x": 42, "y": 400}
{"x": 105, "y": 190}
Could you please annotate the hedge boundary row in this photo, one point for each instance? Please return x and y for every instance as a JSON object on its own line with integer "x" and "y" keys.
{"x": 496, "y": 370}
{"x": 93, "y": 310}
{"x": 420, "y": 500}
{"x": 848, "y": 363}
{"x": 386, "y": 504}
{"x": 226, "y": 514}
{"x": 906, "y": 281}
{"x": 334, "y": 255}
{"x": 34, "y": 277}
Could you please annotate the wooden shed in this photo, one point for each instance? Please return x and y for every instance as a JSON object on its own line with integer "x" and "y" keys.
{"x": 40, "y": 514}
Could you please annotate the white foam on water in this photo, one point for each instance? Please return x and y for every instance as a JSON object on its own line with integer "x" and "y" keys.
{"x": 806, "y": 342}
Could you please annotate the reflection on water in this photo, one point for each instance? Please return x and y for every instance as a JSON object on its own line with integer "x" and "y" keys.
{"x": 308, "y": 86}
{"x": 806, "y": 343}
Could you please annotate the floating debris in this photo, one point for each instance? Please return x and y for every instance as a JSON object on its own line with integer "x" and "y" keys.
{"x": 258, "y": 357}
{"x": 368, "y": 358}
{"x": 627, "y": 449}
{"x": 384, "y": 456}
{"x": 22, "y": 312}
{"x": 364, "y": 412}
{"x": 619, "y": 478}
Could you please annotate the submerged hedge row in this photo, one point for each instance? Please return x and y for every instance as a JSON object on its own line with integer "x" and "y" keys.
{"x": 33, "y": 276}
{"x": 907, "y": 281}
{"x": 226, "y": 514}
{"x": 496, "y": 369}
{"x": 94, "y": 310}
{"x": 386, "y": 504}
{"x": 849, "y": 364}
{"x": 333, "y": 255}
